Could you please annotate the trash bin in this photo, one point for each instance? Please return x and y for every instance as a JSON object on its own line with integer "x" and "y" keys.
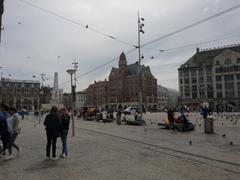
{"x": 208, "y": 125}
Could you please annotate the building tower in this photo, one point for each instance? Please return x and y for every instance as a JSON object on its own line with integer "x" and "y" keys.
{"x": 122, "y": 63}
{"x": 55, "y": 93}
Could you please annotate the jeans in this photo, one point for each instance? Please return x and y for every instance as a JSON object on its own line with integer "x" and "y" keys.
{"x": 12, "y": 143}
{"x": 5, "y": 141}
{"x": 51, "y": 141}
{"x": 64, "y": 141}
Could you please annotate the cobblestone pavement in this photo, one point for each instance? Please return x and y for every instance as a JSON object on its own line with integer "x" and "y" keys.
{"x": 109, "y": 151}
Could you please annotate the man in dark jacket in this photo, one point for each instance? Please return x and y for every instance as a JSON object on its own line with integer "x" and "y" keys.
{"x": 4, "y": 128}
{"x": 52, "y": 125}
{"x": 171, "y": 118}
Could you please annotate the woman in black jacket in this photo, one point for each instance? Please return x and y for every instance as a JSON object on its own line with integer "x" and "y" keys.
{"x": 52, "y": 129}
{"x": 64, "y": 127}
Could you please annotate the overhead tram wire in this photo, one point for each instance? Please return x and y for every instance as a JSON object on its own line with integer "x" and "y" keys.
{"x": 85, "y": 26}
{"x": 193, "y": 44}
{"x": 135, "y": 47}
{"x": 167, "y": 35}
{"x": 193, "y": 24}
{"x": 160, "y": 52}
{"x": 99, "y": 67}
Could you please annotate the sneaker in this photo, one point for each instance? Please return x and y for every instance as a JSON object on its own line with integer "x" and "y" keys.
{"x": 54, "y": 158}
{"x": 9, "y": 157}
{"x": 48, "y": 158}
{"x": 63, "y": 155}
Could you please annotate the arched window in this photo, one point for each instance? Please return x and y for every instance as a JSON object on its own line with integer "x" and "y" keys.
{"x": 228, "y": 62}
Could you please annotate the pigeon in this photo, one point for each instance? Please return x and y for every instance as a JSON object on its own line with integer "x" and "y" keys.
{"x": 224, "y": 135}
{"x": 19, "y": 22}
{"x": 86, "y": 26}
{"x": 231, "y": 143}
{"x": 190, "y": 142}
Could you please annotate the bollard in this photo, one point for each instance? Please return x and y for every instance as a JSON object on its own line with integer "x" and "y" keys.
{"x": 208, "y": 125}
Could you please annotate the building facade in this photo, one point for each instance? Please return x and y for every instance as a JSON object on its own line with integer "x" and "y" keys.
{"x": 213, "y": 76}
{"x": 20, "y": 93}
{"x": 167, "y": 97}
{"x": 122, "y": 88}
{"x": 80, "y": 99}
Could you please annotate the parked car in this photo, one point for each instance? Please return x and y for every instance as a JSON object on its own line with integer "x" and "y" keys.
{"x": 130, "y": 110}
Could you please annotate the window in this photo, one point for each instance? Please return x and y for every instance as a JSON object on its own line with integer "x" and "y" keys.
{"x": 194, "y": 80}
{"x": 228, "y": 62}
{"x": 238, "y": 60}
{"x": 180, "y": 73}
{"x": 228, "y": 77}
{"x": 219, "y": 86}
{"x": 181, "y": 81}
{"x": 238, "y": 76}
{"x": 202, "y": 94}
{"x": 229, "y": 85}
{"x": 218, "y": 78}
{"x": 194, "y": 95}
{"x": 217, "y": 63}
{"x": 209, "y": 79}
{"x": 193, "y": 73}
{"x": 210, "y": 94}
{"x": 186, "y": 73}
{"x": 219, "y": 94}
{"x": 186, "y": 81}
{"x": 201, "y": 80}
{"x": 209, "y": 86}
{"x": 194, "y": 87}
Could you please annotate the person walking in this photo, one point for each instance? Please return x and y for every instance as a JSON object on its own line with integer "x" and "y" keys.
{"x": 64, "y": 127}
{"x": 170, "y": 113}
{"x": 52, "y": 127}
{"x": 14, "y": 129}
{"x": 4, "y": 128}
{"x": 119, "y": 116}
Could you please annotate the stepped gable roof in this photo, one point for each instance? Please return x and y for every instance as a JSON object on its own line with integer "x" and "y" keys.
{"x": 206, "y": 57}
{"x": 133, "y": 69}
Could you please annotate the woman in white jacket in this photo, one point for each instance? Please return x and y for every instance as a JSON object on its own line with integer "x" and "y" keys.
{"x": 14, "y": 129}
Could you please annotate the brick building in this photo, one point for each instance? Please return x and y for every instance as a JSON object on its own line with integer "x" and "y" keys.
{"x": 123, "y": 86}
{"x": 20, "y": 93}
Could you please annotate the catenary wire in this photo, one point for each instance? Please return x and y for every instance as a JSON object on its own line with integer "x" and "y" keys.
{"x": 85, "y": 26}
{"x": 142, "y": 46}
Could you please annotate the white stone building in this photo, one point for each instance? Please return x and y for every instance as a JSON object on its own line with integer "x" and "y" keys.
{"x": 211, "y": 75}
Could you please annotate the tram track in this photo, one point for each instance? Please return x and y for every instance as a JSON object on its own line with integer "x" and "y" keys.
{"x": 196, "y": 158}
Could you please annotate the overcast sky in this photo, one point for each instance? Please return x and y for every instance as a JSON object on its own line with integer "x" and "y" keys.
{"x": 34, "y": 41}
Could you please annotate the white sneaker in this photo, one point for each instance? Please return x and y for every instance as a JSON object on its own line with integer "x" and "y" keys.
{"x": 48, "y": 158}
{"x": 54, "y": 158}
{"x": 9, "y": 157}
{"x": 63, "y": 155}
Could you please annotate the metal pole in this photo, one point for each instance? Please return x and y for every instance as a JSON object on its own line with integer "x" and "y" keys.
{"x": 72, "y": 100}
{"x": 139, "y": 69}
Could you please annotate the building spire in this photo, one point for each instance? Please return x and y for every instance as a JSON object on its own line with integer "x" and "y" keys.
{"x": 122, "y": 60}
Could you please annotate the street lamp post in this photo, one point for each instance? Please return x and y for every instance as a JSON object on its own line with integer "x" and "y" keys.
{"x": 140, "y": 30}
{"x": 71, "y": 72}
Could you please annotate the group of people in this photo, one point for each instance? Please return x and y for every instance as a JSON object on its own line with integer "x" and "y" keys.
{"x": 9, "y": 130}
{"x": 57, "y": 125}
